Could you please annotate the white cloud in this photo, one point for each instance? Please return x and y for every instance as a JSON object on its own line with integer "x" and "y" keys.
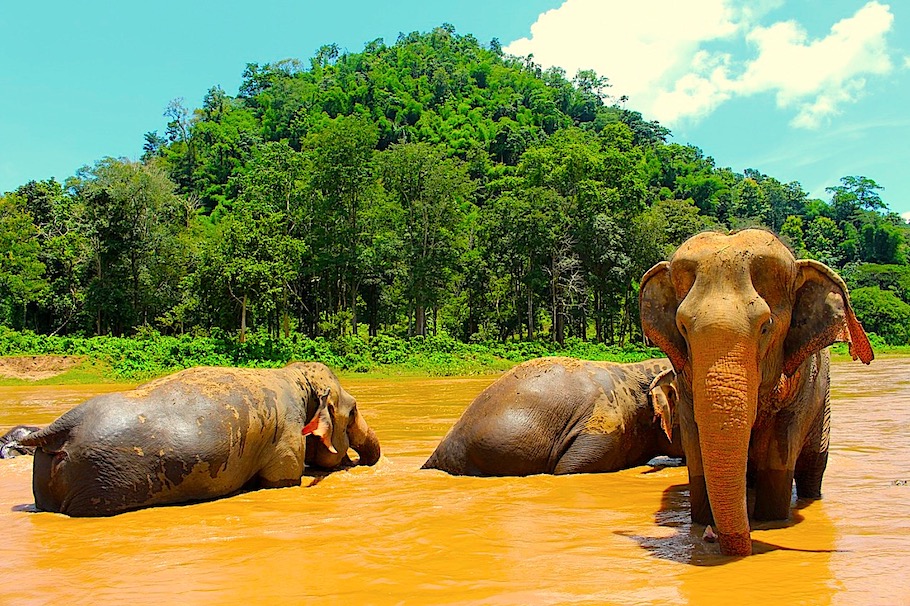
{"x": 906, "y": 216}
{"x": 639, "y": 46}
{"x": 663, "y": 54}
{"x": 907, "y": 62}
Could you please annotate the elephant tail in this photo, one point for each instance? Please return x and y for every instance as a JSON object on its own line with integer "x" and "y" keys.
{"x": 52, "y": 438}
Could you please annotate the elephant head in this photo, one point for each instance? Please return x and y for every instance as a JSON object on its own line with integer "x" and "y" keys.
{"x": 335, "y": 421}
{"x": 664, "y": 396}
{"x": 738, "y": 315}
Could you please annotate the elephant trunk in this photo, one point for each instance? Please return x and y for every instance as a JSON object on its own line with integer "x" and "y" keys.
{"x": 725, "y": 394}
{"x": 364, "y": 441}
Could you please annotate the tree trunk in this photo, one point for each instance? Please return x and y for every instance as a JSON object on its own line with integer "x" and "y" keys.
{"x": 243, "y": 320}
{"x": 286, "y": 320}
{"x": 420, "y": 321}
{"x": 530, "y": 315}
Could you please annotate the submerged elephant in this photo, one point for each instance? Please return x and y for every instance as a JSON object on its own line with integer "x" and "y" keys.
{"x": 746, "y": 326}
{"x": 199, "y": 434}
{"x": 9, "y": 442}
{"x": 561, "y": 415}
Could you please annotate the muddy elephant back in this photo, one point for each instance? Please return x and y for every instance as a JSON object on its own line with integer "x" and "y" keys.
{"x": 519, "y": 424}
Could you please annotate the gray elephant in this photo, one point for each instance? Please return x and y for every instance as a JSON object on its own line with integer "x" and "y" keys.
{"x": 199, "y": 434}
{"x": 561, "y": 415}
{"x": 746, "y": 326}
{"x": 9, "y": 442}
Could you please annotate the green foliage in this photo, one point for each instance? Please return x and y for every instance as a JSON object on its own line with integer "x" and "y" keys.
{"x": 21, "y": 270}
{"x": 151, "y": 354}
{"x": 427, "y": 187}
{"x": 882, "y": 312}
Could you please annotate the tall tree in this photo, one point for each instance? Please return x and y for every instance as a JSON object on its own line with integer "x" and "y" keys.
{"x": 433, "y": 192}
{"x": 21, "y": 270}
{"x": 342, "y": 151}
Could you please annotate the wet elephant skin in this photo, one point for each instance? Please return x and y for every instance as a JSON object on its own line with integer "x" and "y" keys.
{"x": 199, "y": 434}
{"x": 558, "y": 416}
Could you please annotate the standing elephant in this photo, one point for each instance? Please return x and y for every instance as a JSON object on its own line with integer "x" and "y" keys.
{"x": 561, "y": 415}
{"x": 746, "y": 325}
{"x": 199, "y": 434}
{"x": 9, "y": 442}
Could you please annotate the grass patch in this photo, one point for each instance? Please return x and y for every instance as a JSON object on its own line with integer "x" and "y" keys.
{"x": 115, "y": 359}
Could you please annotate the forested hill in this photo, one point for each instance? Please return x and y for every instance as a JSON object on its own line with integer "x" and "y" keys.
{"x": 430, "y": 185}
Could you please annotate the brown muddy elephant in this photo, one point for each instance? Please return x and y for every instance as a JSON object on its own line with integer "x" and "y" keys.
{"x": 199, "y": 434}
{"x": 562, "y": 415}
{"x": 746, "y": 326}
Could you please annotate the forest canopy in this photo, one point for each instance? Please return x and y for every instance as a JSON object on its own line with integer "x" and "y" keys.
{"x": 430, "y": 186}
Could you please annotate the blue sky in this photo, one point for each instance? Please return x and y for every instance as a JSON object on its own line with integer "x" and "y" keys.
{"x": 808, "y": 91}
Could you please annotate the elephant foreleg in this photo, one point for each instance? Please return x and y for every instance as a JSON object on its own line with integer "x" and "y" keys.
{"x": 774, "y": 457}
{"x": 699, "y": 504}
{"x": 812, "y": 461}
{"x": 284, "y": 469}
{"x": 773, "y": 491}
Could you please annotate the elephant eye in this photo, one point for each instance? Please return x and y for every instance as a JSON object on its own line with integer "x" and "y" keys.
{"x": 353, "y": 411}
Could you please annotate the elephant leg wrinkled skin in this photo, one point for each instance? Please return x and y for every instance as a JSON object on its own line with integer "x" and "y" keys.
{"x": 698, "y": 491}
{"x": 199, "y": 434}
{"x": 561, "y": 415}
{"x": 746, "y": 326}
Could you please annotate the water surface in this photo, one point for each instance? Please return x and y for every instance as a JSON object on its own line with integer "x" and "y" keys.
{"x": 394, "y": 534}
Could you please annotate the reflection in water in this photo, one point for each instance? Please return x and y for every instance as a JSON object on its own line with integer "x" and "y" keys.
{"x": 395, "y": 534}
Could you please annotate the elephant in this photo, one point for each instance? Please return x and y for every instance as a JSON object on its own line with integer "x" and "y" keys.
{"x": 9, "y": 442}
{"x": 746, "y": 326}
{"x": 561, "y": 415}
{"x": 196, "y": 435}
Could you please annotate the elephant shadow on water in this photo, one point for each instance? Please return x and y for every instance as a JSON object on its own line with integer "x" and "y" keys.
{"x": 687, "y": 545}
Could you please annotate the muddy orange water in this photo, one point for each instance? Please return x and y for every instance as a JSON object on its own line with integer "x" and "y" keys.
{"x": 394, "y": 534}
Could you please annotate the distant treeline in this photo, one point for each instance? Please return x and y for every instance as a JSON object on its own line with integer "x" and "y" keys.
{"x": 435, "y": 186}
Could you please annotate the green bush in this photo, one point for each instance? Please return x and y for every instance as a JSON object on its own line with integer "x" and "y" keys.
{"x": 151, "y": 354}
{"x": 883, "y": 313}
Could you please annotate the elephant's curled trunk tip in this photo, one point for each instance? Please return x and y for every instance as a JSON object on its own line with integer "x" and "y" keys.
{"x": 735, "y": 544}
{"x": 369, "y": 449}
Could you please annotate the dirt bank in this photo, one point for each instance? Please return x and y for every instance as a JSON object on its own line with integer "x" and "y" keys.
{"x": 35, "y": 368}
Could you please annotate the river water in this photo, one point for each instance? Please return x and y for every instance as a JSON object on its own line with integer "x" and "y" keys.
{"x": 393, "y": 534}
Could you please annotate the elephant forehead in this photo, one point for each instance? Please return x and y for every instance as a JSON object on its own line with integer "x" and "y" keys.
{"x": 746, "y": 244}
{"x": 751, "y": 255}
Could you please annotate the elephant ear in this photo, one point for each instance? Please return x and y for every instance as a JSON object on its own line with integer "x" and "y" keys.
{"x": 821, "y": 316}
{"x": 657, "y": 303}
{"x": 663, "y": 399}
{"x": 321, "y": 425}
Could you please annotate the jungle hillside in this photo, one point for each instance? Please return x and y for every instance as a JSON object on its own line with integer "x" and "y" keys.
{"x": 425, "y": 197}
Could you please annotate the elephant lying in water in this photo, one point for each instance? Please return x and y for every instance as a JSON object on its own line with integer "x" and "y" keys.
{"x": 746, "y": 325}
{"x": 9, "y": 442}
{"x": 561, "y": 415}
{"x": 199, "y": 434}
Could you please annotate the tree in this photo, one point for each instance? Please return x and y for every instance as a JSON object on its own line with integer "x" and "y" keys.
{"x": 822, "y": 238}
{"x": 853, "y": 195}
{"x": 883, "y": 313}
{"x": 125, "y": 210}
{"x": 255, "y": 259}
{"x": 275, "y": 202}
{"x": 64, "y": 252}
{"x": 792, "y": 233}
{"x": 21, "y": 270}
{"x": 341, "y": 150}
{"x": 750, "y": 203}
{"x": 432, "y": 192}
